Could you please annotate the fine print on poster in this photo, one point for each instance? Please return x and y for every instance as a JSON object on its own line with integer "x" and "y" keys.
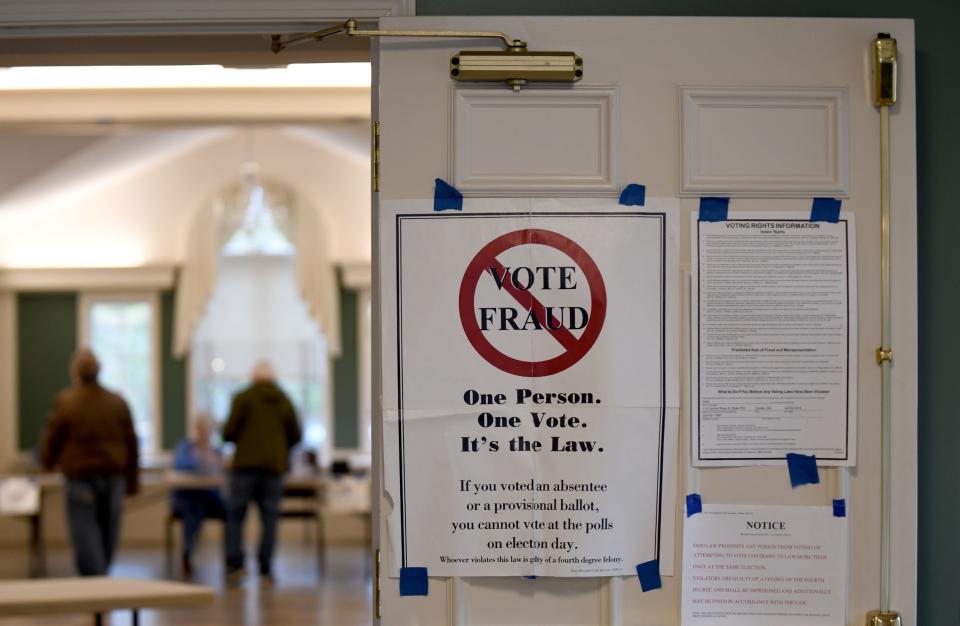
{"x": 761, "y": 565}
{"x": 530, "y": 388}
{"x": 774, "y": 301}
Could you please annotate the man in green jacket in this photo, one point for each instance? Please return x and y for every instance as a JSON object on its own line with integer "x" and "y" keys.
{"x": 264, "y": 427}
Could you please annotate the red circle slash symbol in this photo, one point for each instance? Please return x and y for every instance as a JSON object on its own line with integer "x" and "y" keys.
{"x": 574, "y": 348}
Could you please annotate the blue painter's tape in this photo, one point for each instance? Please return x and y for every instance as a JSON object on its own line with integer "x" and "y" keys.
{"x": 413, "y": 581}
{"x": 633, "y": 195}
{"x": 694, "y": 504}
{"x": 840, "y": 508}
{"x": 649, "y": 575}
{"x": 446, "y": 197}
{"x": 825, "y": 210}
{"x": 803, "y": 469}
{"x": 714, "y": 209}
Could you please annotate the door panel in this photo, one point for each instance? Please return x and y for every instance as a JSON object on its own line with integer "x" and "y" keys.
{"x": 812, "y": 83}
{"x": 571, "y": 135}
{"x": 788, "y": 141}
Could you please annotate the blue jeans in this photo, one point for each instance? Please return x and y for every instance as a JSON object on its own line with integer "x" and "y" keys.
{"x": 94, "y": 510}
{"x": 266, "y": 489}
{"x": 193, "y": 506}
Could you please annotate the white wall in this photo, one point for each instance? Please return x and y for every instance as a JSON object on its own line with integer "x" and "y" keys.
{"x": 43, "y": 151}
{"x": 129, "y": 203}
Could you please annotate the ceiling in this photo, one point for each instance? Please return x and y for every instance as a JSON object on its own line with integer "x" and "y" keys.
{"x": 124, "y": 195}
{"x": 112, "y": 176}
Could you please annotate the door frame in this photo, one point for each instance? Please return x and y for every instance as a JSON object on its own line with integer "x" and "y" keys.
{"x": 50, "y": 18}
{"x": 20, "y": 18}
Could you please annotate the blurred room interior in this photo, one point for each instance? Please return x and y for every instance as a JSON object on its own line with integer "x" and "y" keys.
{"x": 187, "y": 207}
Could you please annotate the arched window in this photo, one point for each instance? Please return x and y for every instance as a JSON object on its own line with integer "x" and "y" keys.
{"x": 256, "y": 313}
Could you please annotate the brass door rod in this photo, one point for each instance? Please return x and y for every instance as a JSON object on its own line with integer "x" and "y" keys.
{"x": 514, "y": 66}
{"x": 885, "y": 96}
{"x": 351, "y": 29}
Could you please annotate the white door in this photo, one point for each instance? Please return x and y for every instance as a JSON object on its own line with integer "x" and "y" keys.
{"x": 786, "y": 115}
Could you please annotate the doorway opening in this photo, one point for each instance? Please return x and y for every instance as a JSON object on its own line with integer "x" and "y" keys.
{"x": 100, "y": 198}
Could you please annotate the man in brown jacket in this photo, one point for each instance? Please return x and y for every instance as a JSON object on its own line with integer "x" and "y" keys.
{"x": 90, "y": 435}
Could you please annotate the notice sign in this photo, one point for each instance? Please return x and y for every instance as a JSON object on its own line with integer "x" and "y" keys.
{"x": 775, "y": 350}
{"x": 762, "y": 565}
{"x": 529, "y": 386}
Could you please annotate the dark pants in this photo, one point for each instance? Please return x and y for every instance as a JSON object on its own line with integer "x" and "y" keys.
{"x": 266, "y": 489}
{"x": 94, "y": 507}
{"x": 193, "y": 506}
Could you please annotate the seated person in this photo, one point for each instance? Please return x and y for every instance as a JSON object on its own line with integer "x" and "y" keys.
{"x": 194, "y": 505}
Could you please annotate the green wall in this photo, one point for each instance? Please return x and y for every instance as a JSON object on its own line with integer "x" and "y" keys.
{"x": 938, "y": 215}
{"x": 345, "y": 384}
{"x": 173, "y": 377}
{"x": 47, "y": 338}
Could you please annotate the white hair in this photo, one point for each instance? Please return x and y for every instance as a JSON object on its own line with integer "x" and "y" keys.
{"x": 263, "y": 373}
{"x": 204, "y": 419}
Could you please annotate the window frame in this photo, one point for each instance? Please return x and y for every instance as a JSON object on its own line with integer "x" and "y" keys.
{"x": 324, "y": 362}
{"x": 365, "y": 373}
{"x": 85, "y": 301}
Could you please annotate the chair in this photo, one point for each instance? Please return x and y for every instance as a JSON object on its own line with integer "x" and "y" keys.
{"x": 308, "y": 502}
{"x": 168, "y": 541}
{"x": 305, "y": 503}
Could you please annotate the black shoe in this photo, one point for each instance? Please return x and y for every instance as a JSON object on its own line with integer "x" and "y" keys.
{"x": 234, "y": 576}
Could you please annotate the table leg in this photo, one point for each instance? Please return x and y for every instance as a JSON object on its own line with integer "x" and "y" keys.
{"x": 136, "y": 617}
{"x": 38, "y": 566}
{"x": 98, "y": 618}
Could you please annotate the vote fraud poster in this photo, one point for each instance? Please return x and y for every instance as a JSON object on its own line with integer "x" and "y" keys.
{"x": 530, "y": 386}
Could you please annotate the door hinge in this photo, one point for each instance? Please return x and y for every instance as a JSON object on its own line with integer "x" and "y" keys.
{"x": 376, "y": 575}
{"x": 375, "y": 155}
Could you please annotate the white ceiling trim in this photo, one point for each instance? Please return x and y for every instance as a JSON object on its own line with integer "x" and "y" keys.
{"x": 355, "y": 274}
{"x": 112, "y": 278}
{"x": 52, "y": 17}
{"x": 262, "y": 105}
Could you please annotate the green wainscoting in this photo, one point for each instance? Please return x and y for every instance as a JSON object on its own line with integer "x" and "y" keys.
{"x": 345, "y": 382}
{"x": 46, "y": 339}
{"x": 173, "y": 377}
